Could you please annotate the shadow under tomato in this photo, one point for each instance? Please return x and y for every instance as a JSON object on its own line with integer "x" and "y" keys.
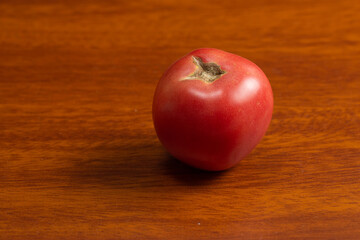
{"x": 127, "y": 168}
{"x": 187, "y": 175}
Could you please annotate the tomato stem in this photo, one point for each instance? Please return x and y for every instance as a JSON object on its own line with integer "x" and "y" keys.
{"x": 207, "y": 72}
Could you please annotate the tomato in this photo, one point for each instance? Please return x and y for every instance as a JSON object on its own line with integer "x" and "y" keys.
{"x": 211, "y": 108}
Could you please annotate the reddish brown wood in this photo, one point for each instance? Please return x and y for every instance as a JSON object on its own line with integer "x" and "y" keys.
{"x": 79, "y": 158}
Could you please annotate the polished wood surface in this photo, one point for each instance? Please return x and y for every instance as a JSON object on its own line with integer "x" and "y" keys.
{"x": 79, "y": 158}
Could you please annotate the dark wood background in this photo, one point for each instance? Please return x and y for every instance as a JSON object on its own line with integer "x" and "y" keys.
{"x": 79, "y": 157}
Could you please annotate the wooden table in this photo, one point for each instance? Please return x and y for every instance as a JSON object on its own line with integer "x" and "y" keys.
{"x": 79, "y": 158}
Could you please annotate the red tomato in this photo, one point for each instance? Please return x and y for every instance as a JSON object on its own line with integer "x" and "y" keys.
{"x": 211, "y": 108}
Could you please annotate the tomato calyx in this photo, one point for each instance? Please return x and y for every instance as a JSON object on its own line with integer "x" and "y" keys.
{"x": 207, "y": 72}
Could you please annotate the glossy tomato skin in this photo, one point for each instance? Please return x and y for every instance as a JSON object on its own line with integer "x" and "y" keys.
{"x": 212, "y": 126}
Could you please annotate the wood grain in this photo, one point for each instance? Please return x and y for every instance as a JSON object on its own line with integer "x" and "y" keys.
{"x": 79, "y": 158}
